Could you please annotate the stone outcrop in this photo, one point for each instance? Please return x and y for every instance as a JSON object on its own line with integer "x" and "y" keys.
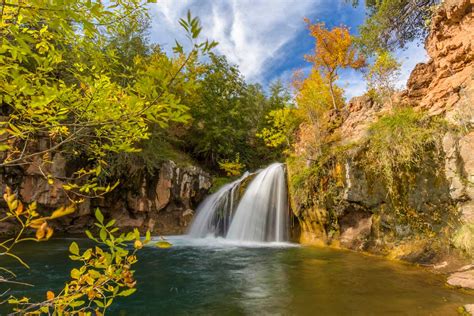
{"x": 464, "y": 278}
{"x": 440, "y": 84}
{"x": 439, "y": 194}
{"x": 163, "y": 204}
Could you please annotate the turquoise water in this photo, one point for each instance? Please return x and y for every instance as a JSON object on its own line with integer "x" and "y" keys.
{"x": 212, "y": 277}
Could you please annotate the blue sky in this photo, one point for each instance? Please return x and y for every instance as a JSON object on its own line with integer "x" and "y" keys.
{"x": 267, "y": 39}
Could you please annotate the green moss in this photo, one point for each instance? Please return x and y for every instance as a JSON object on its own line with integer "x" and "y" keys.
{"x": 218, "y": 182}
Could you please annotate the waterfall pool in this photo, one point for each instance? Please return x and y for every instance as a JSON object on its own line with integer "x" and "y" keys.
{"x": 218, "y": 277}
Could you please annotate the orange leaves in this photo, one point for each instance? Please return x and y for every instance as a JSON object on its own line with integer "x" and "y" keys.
{"x": 50, "y": 295}
{"x": 138, "y": 244}
{"x": 43, "y": 231}
{"x": 333, "y": 49}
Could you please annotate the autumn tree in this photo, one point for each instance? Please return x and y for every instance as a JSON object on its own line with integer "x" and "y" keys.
{"x": 334, "y": 50}
{"x": 314, "y": 98}
{"x": 282, "y": 125}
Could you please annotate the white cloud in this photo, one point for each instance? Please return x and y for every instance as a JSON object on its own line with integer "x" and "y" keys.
{"x": 253, "y": 33}
{"x": 250, "y": 32}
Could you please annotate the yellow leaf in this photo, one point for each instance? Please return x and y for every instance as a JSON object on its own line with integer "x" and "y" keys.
{"x": 63, "y": 211}
{"x": 75, "y": 274}
{"x": 163, "y": 244}
{"x": 138, "y": 244}
{"x": 36, "y": 223}
{"x": 19, "y": 209}
{"x": 41, "y": 231}
{"x": 49, "y": 232}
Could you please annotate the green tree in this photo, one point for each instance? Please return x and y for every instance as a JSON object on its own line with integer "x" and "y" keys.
{"x": 382, "y": 75}
{"x": 221, "y": 114}
{"x": 82, "y": 109}
{"x": 394, "y": 23}
{"x": 282, "y": 125}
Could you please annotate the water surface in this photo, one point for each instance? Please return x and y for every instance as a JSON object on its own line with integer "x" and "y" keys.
{"x": 214, "y": 277}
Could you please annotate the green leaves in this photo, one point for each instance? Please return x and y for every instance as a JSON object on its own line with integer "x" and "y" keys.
{"x": 74, "y": 248}
{"x": 193, "y": 28}
{"x": 191, "y": 25}
{"x": 99, "y": 216}
{"x": 163, "y": 244}
{"x": 127, "y": 292}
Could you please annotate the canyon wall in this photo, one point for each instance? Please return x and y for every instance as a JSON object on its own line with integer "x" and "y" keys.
{"x": 437, "y": 195}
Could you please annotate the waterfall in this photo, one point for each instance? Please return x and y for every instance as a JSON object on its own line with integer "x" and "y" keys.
{"x": 260, "y": 215}
{"x": 214, "y": 214}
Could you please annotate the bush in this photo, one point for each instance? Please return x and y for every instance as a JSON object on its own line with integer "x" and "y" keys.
{"x": 398, "y": 141}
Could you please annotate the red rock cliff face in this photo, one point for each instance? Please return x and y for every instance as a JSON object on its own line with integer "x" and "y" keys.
{"x": 440, "y": 85}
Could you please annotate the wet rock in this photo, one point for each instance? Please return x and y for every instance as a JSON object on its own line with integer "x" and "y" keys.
{"x": 170, "y": 197}
{"x": 163, "y": 188}
{"x": 138, "y": 201}
{"x": 466, "y": 152}
{"x": 453, "y": 168}
{"x": 355, "y": 229}
{"x": 462, "y": 278}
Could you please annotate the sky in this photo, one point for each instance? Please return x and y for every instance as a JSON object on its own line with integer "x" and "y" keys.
{"x": 268, "y": 39}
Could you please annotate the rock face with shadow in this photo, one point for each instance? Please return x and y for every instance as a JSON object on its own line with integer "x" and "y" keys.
{"x": 163, "y": 203}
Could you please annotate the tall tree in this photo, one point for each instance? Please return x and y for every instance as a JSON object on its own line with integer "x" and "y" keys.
{"x": 334, "y": 49}
{"x": 220, "y": 115}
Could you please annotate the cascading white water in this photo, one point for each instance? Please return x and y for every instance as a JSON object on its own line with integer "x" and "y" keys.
{"x": 261, "y": 215}
{"x": 214, "y": 214}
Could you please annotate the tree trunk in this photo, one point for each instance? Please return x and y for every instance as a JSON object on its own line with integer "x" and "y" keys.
{"x": 332, "y": 96}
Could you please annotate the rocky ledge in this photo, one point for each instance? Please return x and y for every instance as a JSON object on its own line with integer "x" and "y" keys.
{"x": 163, "y": 203}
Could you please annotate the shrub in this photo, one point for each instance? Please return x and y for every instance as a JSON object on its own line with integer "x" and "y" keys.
{"x": 398, "y": 141}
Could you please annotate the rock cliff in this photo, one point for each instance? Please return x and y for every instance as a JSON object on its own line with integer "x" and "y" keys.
{"x": 439, "y": 192}
{"x": 163, "y": 204}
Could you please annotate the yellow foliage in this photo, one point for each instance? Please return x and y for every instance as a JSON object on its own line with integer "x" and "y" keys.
{"x": 334, "y": 49}
{"x": 283, "y": 123}
{"x": 232, "y": 168}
